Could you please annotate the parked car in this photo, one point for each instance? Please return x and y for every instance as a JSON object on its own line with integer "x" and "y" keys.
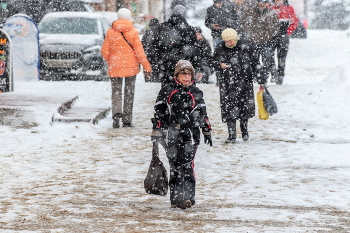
{"x": 70, "y": 44}
{"x": 36, "y": 9}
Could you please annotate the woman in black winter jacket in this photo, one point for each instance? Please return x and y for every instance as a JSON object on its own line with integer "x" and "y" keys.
{"x": 180, "y": 112}
{"x": 237, "y": 61}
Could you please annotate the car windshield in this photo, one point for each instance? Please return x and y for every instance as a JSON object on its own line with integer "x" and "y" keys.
{"x": 73, "y": 25}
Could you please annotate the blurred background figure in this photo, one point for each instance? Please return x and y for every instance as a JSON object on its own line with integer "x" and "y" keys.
{"x": 288, "y": 23}
{"x": 260, "y": 25}
{"x": 206, "y": 54}
{"x": 146, "y": 43}
{"x": 176, "y": 40}
{"x": 219, "y": 16}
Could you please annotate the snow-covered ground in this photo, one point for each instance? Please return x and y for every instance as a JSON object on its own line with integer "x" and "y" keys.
{"x": 291, "y": 176}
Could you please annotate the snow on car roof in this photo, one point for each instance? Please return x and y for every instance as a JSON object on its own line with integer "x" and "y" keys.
{"x": 72, "y": 14}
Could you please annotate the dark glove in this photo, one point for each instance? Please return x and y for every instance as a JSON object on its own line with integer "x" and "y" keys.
{"x": 157, "y": 123}
{"x": 207, "y": 140}
{"x": 148, "y": 76}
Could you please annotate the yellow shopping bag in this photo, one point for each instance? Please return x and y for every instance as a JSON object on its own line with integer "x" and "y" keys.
{"x": 263, "y": 114}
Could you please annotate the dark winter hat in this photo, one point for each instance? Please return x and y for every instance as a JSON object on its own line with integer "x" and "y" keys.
{"x": 183, "y": 65}
{"x": 218, "y": 1}
{"x": 154, "y": 22}
{"x": 198, "y": 29}
{"x": 180, "y": 10}
{"x": 263, "y": 1}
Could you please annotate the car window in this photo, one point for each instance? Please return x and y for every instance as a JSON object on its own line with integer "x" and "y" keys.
{"x": 105, "y": 25}
{"x": 77, "y": 25}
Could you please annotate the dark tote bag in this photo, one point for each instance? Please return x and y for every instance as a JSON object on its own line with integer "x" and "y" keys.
{"x": 269, "y": 103}
{"x": 156, "y": 181}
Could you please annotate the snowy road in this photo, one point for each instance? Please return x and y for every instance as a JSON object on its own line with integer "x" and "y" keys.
{"x": 291, "y": 176}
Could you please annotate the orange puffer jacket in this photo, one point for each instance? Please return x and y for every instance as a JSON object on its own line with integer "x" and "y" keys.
{"x": 123, "y": 61}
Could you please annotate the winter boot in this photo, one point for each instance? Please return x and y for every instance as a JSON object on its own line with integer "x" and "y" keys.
{"x": 116, "y": 117}
{"x": 231, "y": 125}
{"x": 280, "y": 76}
{"x": 185, "y": 204}
{"x": 244, "y": 130}
{"x": 231, "y": 138}
{"x": 128, "y": 125}
{"x": 279, "y": 80}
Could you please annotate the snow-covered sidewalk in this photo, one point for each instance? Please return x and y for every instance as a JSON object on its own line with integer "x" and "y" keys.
{"x": 291, "y": 176}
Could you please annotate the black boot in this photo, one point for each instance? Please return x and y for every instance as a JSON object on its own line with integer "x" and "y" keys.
{"x": 279, "y": 80}
{"x": 231, "y": 138}
{"x": 231, "y": 125}
{"x": 280, "y": 76}
{"x": 244, "y": 130}
{"x": 128, "y": 125}
{"x": 116, "y": 117}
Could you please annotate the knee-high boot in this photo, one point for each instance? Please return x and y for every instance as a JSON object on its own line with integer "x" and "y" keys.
{"x": 231, "y": 125}
{"x": 244, "y": 129}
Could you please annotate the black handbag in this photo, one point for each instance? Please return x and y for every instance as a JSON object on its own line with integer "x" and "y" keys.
{"x": 156, "y": 181}
{"x": 269, "y": 103}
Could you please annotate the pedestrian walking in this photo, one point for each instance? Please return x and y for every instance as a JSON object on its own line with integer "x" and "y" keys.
{"x": 237, "y": 62}
{"x": 176, "y": 40}
{"x": 260, "y": 24}
{"x": 206, "y": 54}
{"x": 288, "y": 22}
{"x": 123, "y": 51}
{"x": 180, "y": 112}
{"x": 219, "y": 16}
{"x": 146, "y": 41}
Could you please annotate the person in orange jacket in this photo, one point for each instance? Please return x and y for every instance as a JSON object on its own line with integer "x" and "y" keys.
{"x": 123, "y": 51}
{"x": 288, "y": 23}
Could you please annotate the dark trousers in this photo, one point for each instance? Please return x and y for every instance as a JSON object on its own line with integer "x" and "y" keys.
{"x": 281, "y": 44}
{"x": 120, "y": 105}
{"x": 181, "y": 150}
{"x": 231, "y": 126}
{"x": 266, "y": 51}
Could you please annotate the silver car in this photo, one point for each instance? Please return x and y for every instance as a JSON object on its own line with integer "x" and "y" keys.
{"x": 70, "y": 44}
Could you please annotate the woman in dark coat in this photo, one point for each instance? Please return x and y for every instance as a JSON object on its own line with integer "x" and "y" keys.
{"x": 237, "y": 62}
{"x": 180, "y": 111}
